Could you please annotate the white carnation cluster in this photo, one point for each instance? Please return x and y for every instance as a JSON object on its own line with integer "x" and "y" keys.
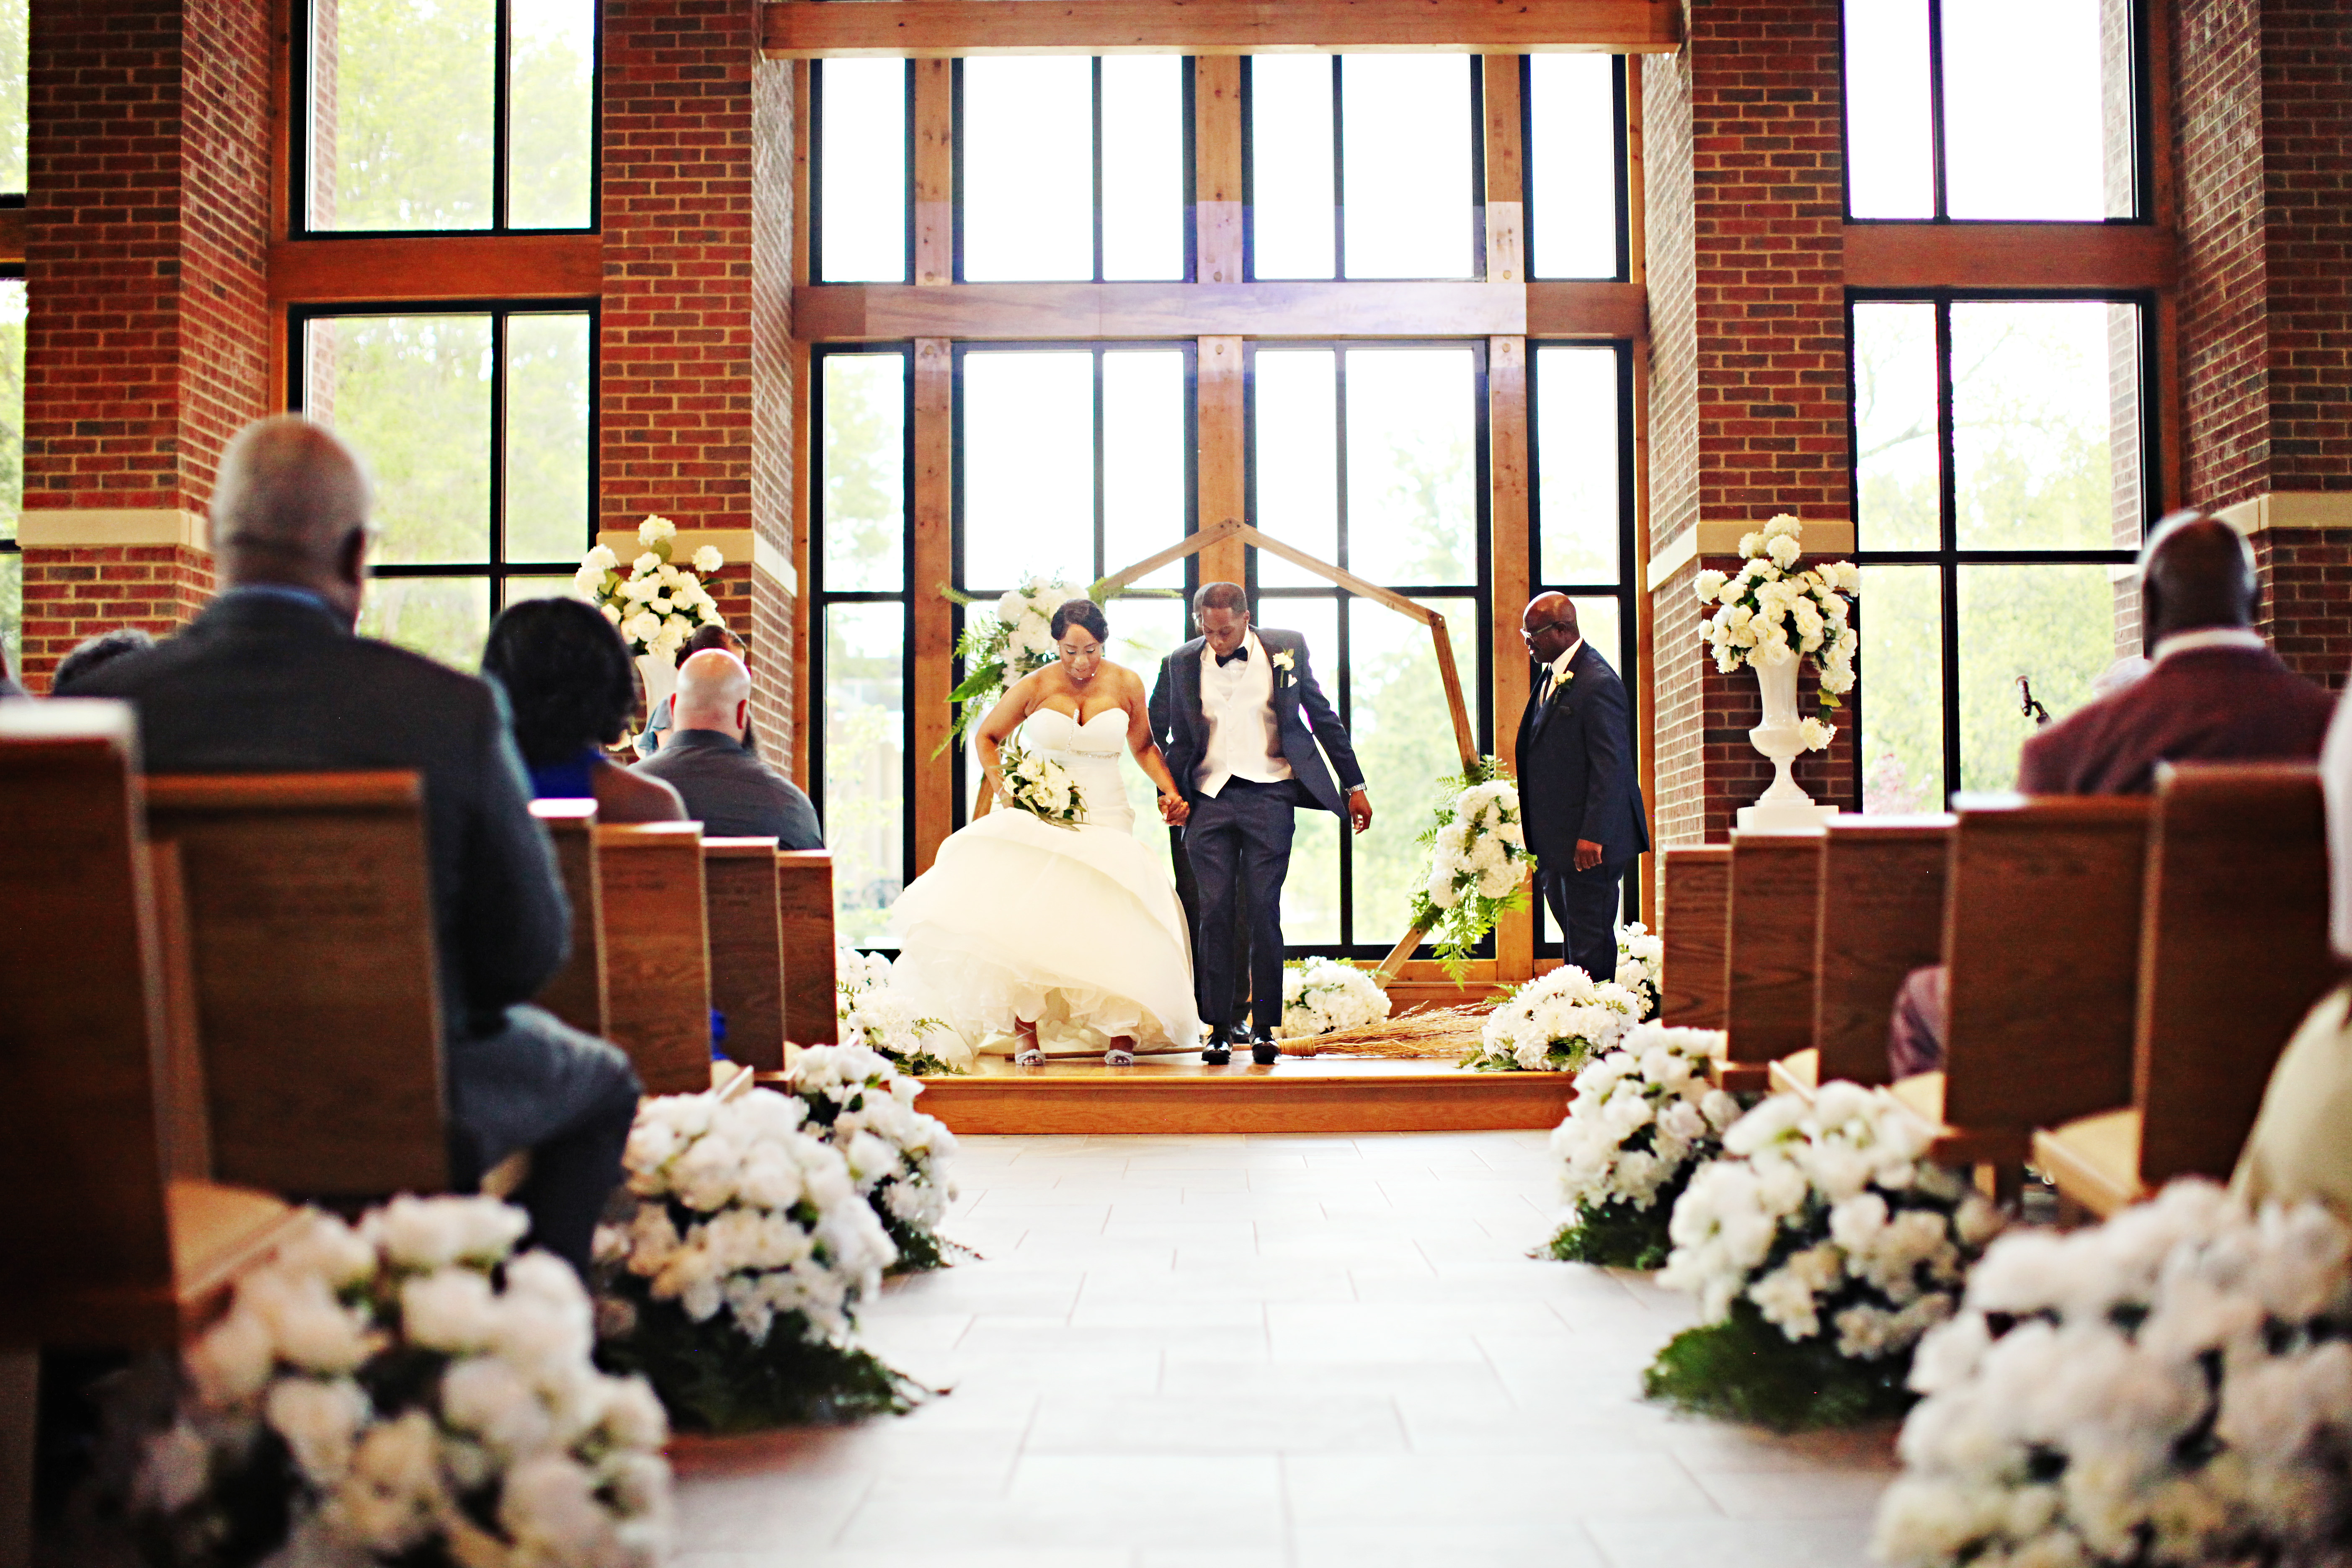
{"x": 1642, "y": 1114}
{"x": 1036, "y": 784}
{"x": 511, "y": 1449}
{"x": 1481, "y": 846}
{"x": 1556, "y": 1023}
{"x": 860, "y": 1102}
{"x": 657, "y": 606}
{"x": 1026, "y": 615}
{"x": 739, "y": 1206}
{"x": 1826, "y": 1212}
{"x": 1324, "y": 995}
{"x": 2172, "y": 1388}
{"x": 1769, "y": 614}
{"x": 868, "y": 1013}
{"x": 1642, "y": 965}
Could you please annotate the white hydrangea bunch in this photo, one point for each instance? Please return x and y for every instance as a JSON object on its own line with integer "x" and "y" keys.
{"x": 860, "y": 1102}
{"x": 1324, "y": 995}
{"x": 1643, "y": 1115}
{"x": 1771, "y": 614}
{"x": 1642, "y": 965}
{"x": 434, "y": 1395}
{"x": 868, "y": 1013}
{"x": 657, "y": 606}
{"x": 2172, "y": 1389}
{"x": 1036, "y": 784}
{"x": 739, "y": 1208}
{"x": 1478, "y": 861}
{"x": 1824, "y": 1215}
{"x": 1556, "y": 1023}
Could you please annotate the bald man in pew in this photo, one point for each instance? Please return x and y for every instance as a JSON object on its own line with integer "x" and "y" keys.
{"x": 725, "y": 785}
{"x": 270, "y": 677}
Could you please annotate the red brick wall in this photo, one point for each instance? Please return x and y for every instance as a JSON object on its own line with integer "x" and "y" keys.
{"x": 2224, "y": 318}
{"x": 2307, "y": 577}
{"x": 771, "y": 621}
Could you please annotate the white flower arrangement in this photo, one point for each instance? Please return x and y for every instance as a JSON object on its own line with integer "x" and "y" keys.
{"x": 1771, "y": 614}
{"x": 1324, "y": 995}
{"x": 1556, "y": 1023}
{"x": 657, "y": 606}
{"x": 741, "y": 1210}
{"x": 408, "y": 1389}
{"x": 1643, "y": 1120}
{"x": 1642, "y": 965}
{"x": 861, "y": 1103}
{"x": 1036, "y": 784}
{"x": 868, "y": 1013}
{"x": 1478, "y": 861}
{"x": 1012, "y": 638}
{"x": 1821, "y": 1240}
{"x": 2171, "y": 1389}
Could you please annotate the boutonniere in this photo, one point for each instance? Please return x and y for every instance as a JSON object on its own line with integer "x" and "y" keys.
{"x": 1285, "y": 662}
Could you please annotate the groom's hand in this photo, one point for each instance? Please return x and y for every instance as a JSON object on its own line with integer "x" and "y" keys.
{"x": 1174, "y": 809}
{"x": 1359, "y": 809}
{"x": 1588, "y": 854}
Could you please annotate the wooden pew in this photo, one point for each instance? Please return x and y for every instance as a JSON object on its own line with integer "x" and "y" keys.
{"x": 804, "y": 902}
{"x": 2234, "y": 951}
{"x": 577, "y": 991}
{"x": 656, "y": 951}
{"x": 740, "y": 886}
{"x": 316, "y": 994}
{"x": 1692, "y": 905}
{"x": 1881, "y": 916}
{"x": 1768, "y": 951}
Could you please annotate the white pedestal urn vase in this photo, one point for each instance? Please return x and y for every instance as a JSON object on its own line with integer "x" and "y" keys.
{"x": 660, "y": 676}
{"x": 1785, "y": 808}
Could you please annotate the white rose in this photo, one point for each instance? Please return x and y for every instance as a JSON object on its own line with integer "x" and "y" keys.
{"x": 1710, "y": 584}
{"x": 1815, "y": 735}
{"x": 449, "y": 1309}
{"x": 1782, "y": 526}
{"x": 1751, "y": 544}
{"x": 320, "y": 1421}
{"x": 654, "y": 529}
{"x": 646, "y": 564}
{"x": 601, "y": 558}
{"x": 707, "y": 559}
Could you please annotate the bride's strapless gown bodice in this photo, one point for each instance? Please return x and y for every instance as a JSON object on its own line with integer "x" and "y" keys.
{"x": 1079, "y": 932}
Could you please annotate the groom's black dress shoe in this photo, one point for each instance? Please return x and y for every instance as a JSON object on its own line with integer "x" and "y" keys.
{"x": 1219, "y": 1050}
{"x": 1264, "y": 1052}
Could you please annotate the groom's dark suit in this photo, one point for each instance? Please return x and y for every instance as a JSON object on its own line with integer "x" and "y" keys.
{"x": 1238, "y": 840}
{"x": 1577, "y": 782}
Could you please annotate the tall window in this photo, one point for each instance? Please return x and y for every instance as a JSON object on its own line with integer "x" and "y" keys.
{"x": 1574, "y": 155}
{"x": 2001, "y": 483}
{"x": 862, "y": 184}
{"x": 476, "y": 423}
{"x": 1950, "y": 114}
{"x": 448, "y": 115}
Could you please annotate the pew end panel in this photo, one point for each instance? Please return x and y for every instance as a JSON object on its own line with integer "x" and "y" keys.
{"x": 805, "y": 906}
{"x": 1881, "y": 916}
{"x": 1694, "y": 907}
{"x": 1770, "y": 921}
{"x": 2094, "y": 1162}
{"x": 577, "y": 991}
{"x": 657, "y": 951}
{"x": 746, "y": 947}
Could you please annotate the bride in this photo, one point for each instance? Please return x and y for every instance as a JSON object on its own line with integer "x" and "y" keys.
{"x": 1042, "y": 933}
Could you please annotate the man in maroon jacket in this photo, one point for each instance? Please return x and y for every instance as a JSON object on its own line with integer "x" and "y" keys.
{"x": 2214, "y": 693}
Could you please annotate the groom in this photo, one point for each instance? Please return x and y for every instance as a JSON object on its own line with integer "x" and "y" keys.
{"x": 1238, "y": 716}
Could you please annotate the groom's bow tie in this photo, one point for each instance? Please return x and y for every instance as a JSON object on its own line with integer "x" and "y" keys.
{"x": 1241, "y": 653}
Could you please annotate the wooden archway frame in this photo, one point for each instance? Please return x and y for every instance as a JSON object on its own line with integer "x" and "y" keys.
{"x": 1232, "y": 528}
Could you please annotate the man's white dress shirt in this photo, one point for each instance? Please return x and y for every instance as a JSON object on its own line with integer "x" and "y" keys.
{"x": 1245, "y": 736}
{"x": 1555, "y": 674}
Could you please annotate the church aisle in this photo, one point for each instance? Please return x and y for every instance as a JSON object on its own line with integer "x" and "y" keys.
{"x": 1273, "y": 1352}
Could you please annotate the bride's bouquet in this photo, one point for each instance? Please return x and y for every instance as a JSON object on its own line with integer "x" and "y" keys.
{"x": 1036, "y": 784}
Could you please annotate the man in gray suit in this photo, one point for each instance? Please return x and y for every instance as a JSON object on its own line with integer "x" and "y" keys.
{"x": 269, "y": 679}
{"x": 730, "y": 792}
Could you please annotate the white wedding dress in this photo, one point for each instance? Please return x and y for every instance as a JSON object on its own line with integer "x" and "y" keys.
{"x": 1079, "y": 930}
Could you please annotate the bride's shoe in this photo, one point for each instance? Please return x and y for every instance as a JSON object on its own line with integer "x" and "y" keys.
{"x": 1029, "y": 1056}
{"x": 1119, "y": 1057}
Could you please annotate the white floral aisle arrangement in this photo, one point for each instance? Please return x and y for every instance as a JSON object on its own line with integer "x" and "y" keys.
{"x": 1642, "y": 965}
{"x": 1820, "y": 1247}
{"x": 1555, "y": 1023}
{"x": 1643, "y": 1120}
{"x": 1036, "y": 784}
{"x": 2168, "y": 1390}
{"x": 898, "y": 1158}
{"x": 1771, "y": 614}
{"x": 733, "y": 1284}
{"x": 407, "y": 1391}
{"x": 868, "y": 1011}
{"x": 657, "y": 604}
{"x": 1478, "y": 861}
{"x": 1012, "y": 638}
{"x": 1324, "y": 996}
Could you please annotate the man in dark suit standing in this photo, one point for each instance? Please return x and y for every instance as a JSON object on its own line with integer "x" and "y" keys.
{"x": 1578, "y": 795}
{"x": 269, "y": 679}
{"x": 1239, "y": 717}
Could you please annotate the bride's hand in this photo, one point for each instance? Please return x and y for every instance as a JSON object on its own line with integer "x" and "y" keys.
{"x": 1174, "y": 809}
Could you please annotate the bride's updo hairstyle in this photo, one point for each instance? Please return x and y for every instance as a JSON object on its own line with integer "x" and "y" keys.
{"x": 1081, "y": 612}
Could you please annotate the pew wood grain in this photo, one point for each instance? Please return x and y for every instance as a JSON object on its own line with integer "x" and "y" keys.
{"x": 1881, "y": 916}
{"x": 577, "y": 993}
{"x": 746, "y": 947}
{"x": 1693, "y": 902}
{"x": 804, "y": 902}
{"x": 656, "y": 951}
{"x": 1770, "y": 919}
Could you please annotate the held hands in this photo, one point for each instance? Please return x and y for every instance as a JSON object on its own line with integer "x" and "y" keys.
{"x": 1359, "y": 809}
{"x": 1175, "y": 810}
{"x": 1588, "y": 854}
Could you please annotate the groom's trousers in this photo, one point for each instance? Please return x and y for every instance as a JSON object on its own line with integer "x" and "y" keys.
{"x": 1239, "y": 843}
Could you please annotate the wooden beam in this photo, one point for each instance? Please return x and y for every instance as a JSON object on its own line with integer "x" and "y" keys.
{"x": 931, "y": 630}
{"x": 934, "y": 172}
{"x": 811, "y": 29}
{"x": 2009, "y": 256}
{"x": 1221, "y": 474}
{"x": 1505, "y": 194}
{"x": 1216, "y": 168}
{"x": 1508, "y": 516}
{"x": 444, "y": 267}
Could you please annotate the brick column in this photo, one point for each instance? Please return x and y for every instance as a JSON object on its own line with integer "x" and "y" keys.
{"x": 2262, "y": 119}
{"x": 147, "y": 334}
{"x": 1747, "y": 417}
{"x": 694, "y": 390}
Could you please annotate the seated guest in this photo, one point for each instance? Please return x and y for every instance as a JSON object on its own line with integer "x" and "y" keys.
{"x": 659, "y": 722}
{"x": 269, "y": 679}
{"x": 2213, "y": 691}
{"x": 92, "y": 652}
{"x": 568, "y": 675}
{"x": 730, "y": 792}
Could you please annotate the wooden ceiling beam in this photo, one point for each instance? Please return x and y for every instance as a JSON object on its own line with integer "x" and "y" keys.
{"x": 817, "y": 29}
{"x": 2009, "y": 256}
{"x": 442, "y": 266}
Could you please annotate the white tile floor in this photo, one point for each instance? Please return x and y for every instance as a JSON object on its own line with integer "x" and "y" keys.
{"x": 1275, "y": 1352}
